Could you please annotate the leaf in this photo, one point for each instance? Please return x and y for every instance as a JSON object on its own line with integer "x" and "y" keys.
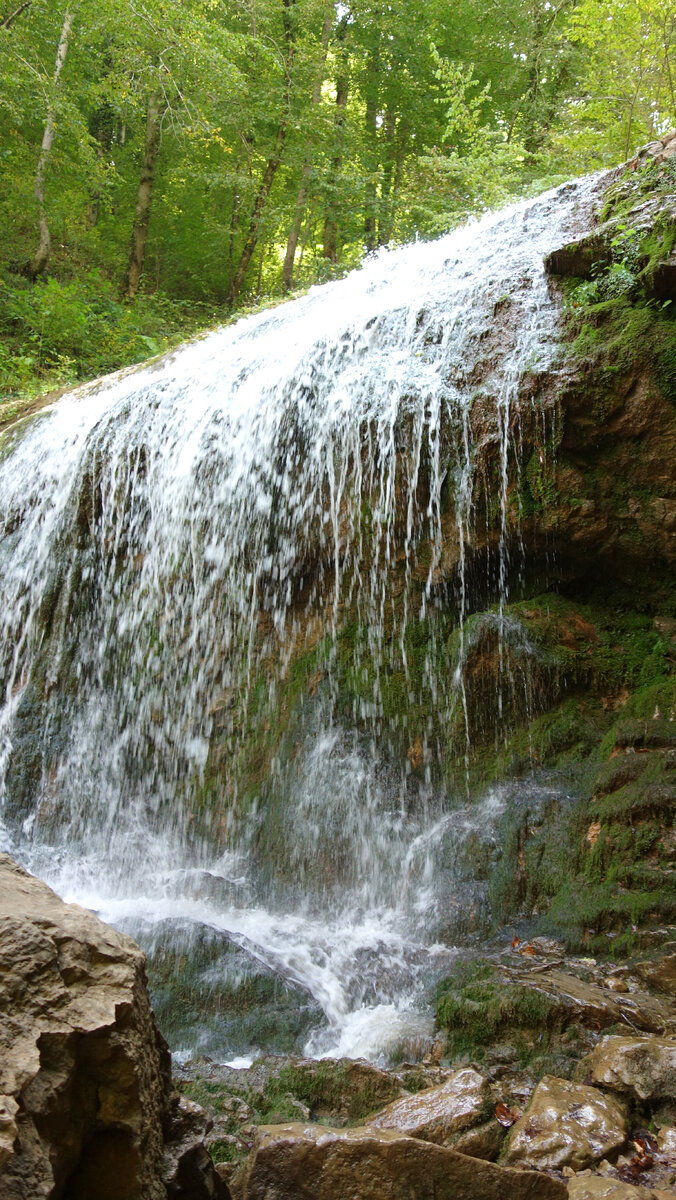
{"x": 506, "y": 1116}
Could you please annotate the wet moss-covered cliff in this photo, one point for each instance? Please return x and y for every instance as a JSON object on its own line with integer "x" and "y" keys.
{"x": 541, "y": 616}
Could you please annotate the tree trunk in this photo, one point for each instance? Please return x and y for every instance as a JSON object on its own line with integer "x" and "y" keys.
{"x": 271, "y": 168}
{"x": 301, "y": 200}
{"x": 393, "y": 183}
{"x": 102, "y": 128}
{"x": 371, "y": 196}
{"x": 330, "y": 222}
{"x": 389, "y": 168}
{"x": 38, "y": 266}
{"x": 139, "y": 236}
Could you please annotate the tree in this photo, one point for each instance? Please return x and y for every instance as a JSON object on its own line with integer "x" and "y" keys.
{"x": 38, "y": 265}
{"x": 301, "y": 199}
{"x": 139, "y": 236}
{"x": 274, "y": 160}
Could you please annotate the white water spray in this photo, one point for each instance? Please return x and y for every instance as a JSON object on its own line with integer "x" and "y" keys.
{"x": 175, "y": 538}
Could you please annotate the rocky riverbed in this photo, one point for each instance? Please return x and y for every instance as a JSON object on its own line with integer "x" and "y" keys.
{"x": 578, "y": 1098}
{"x": 583, "y": 1098}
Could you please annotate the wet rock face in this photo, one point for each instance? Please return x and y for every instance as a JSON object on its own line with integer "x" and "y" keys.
{"x": 437, "y": 1112}
{"x": 298, "y": 1162}
{"x": 641, "y": 1067}
{"x": 595, "y": 1188}
{"x": 86, "y": 1102}
{"x": 567, "y": 1125}
{"x": 662, "y": 972}
{"x": 584, "y": 257}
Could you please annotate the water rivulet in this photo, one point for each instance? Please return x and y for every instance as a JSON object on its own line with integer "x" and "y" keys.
{"x": 235, "y": 597}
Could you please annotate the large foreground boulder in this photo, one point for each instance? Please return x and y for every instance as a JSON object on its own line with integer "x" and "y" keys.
{"x": 313, "y": 1162}
{"x": 87, "y": 1109}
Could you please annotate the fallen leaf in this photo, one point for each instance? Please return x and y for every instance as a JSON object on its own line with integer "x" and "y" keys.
{"x": 516, "y": 941}
{"x": 644, "y": 1142}
{"x": 527, "y": 949}
{"x": 506, "y": 1116}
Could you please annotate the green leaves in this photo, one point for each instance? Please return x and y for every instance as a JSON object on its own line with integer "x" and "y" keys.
{"x": 424, "y": 113}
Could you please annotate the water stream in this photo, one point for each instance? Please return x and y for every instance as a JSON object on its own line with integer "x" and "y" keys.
{"x": 177, "y": 538}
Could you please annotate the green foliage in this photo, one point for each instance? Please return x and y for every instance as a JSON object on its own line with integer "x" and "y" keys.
{"x": 55, "y": 333}
{"x": 403, "y": 119}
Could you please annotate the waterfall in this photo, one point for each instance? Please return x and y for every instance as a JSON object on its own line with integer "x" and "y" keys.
{"x": 226, "y": 584}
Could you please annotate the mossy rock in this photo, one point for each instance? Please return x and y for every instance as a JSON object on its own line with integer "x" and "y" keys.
{"x": 200, "y": 981}
{"x": 478, "y": 1005}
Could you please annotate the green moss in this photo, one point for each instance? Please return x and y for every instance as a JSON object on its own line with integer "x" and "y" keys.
{"x": 329, "y": 1087}
{"x": 201, "y": 981}
{"x": 224, "y": 1152}
{"x": 326, "y": 1087}
{"x": 476, "y": 1005}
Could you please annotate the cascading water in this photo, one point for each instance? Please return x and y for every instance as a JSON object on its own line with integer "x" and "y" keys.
{"x": 282, "y": 501}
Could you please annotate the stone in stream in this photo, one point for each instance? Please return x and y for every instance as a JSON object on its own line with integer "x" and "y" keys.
{"x": 566, "y": 1125}
{"x": 482, "y": 1141}
{"x": 87, "y": 1107}
{"x": 313, "y": 1162}
{"x": 661, "y": 972}
{"x": 437, "y": 1112}
{"x": 644, "y": 1067}
{"x": 577, "y": 999}
{"x": 594, "y": 1187}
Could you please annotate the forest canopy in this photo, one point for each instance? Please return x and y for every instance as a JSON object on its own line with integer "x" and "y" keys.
{"x": 167, "y": 164}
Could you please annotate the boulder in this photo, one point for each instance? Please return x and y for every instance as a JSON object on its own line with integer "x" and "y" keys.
{"x": 666, "y": 1140}
{"x": 660, "y": 150}
{"x": 576, "y": 999}
{"x": 87, "y": 1108}
{"x": 643, "y": 1067}
{"x": 660, "y": 972}
{"x": 437, "y": 1112}
{"x": 187, "y": 1168}
{"x": 483, "y": 1141}
{"x": 566, "y": 1125}
{"x": 313, "y": 1162}
{"x": 593, "y": 1187}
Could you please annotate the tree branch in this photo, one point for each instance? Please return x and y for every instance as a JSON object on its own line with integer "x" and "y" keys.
{"x": 5, "y": 24}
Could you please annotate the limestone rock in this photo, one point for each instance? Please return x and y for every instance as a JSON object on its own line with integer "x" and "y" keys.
{"x": 567, "y": 1124}
{"x": 592, "y": 1187}
{"x": 660, "y": 150}
{"x": 8, "y": 1111}
{"x": 85, "y": 1084}
{"x": 306, "y": 1162}
{"x": 483, "y": 1141}
{"x": 437, "y": 1112}
{"x": 661, "y": 972}
{"x": 666, "y": 1140}
{"x": 578, "y": 999}
{"x": 644, "y": 1067}
{"x": 187, "y": 1169}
